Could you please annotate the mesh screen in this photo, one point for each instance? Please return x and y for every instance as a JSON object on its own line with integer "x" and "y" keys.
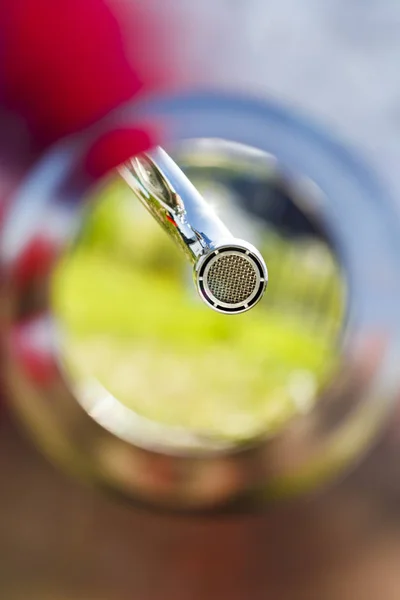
{"x": 231, "y": 278}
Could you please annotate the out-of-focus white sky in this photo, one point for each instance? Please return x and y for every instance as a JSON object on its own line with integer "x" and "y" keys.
{"x": 336, "y": 60}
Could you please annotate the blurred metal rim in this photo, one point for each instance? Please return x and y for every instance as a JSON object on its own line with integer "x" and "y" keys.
{"x": 172, "y": 469}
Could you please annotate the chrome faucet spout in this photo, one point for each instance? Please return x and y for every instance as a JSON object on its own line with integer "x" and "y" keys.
{"x": 230, "y": 274}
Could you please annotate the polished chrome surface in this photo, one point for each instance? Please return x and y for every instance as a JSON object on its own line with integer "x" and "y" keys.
{"x": 156, "y": 466}
{"x": 171, "y": 198}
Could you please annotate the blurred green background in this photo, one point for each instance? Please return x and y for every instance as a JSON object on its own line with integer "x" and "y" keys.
{"x": 131, "y": 319}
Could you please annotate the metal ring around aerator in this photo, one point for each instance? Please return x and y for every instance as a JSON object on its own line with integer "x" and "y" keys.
{"x": 256, "y": 268}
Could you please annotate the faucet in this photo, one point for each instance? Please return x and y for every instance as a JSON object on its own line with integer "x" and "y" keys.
{"x": 230, "y": 274}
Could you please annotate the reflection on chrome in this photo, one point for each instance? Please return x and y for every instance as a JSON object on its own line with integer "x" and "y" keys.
{"x": 230, "y": 274}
